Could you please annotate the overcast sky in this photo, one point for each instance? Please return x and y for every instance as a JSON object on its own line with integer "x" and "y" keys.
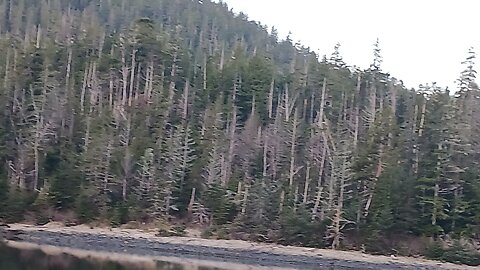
{"x": 422, "y": 41}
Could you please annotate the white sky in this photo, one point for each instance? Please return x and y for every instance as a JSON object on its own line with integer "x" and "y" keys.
{"x": 422, "y": 41}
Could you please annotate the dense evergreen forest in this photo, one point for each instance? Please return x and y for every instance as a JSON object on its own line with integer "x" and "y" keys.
{"x": 182, "y": 111}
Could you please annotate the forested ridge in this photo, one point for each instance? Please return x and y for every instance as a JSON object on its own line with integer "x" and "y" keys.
{"x": 181, "y": 110}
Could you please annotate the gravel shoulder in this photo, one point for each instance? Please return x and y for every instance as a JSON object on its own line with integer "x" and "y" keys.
{"x": 130, "y": 244}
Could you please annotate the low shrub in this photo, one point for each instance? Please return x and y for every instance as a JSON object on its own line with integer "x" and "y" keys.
{"x": 454, "y": 254}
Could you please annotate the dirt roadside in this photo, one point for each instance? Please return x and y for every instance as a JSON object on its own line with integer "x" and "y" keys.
{"x": 144, "y": 243}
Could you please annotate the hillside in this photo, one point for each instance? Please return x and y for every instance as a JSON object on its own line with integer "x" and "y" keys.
{"x": 181, "y": 111}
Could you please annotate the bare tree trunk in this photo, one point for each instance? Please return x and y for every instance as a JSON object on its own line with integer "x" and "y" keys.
{"x": 150, "y": 84}
{"x": 171, "y": 88}
{"x": 96, "y": 94}
{"x": 245, "y": 198}
{"x": 318, "y": 197}
{"x": 185, "y": 100}
{"x": 205, "y": 72}
{"x": 307, "y": 183}
{"x": 148, "y": 81}
{"x": 87, "y": 134}
{"x": 270, "y": 99}
{"x": 222, "y": 57}
{"x": 72, "y": 124}
{"x": 436, "y": 191}
{"x": 108, "y": 155}
{"x": 312, "y": 108}
{"x": 422, "y": 119}
{"x": 101, "y": 44}
{"x": 22, "y": 181}
{"x": 6, "y": 81}
{"x": 415, "y": 139}
{"x": 295, "y": 199}
{"x": 287, "y": 103}
{"x": 124, "y": 77}
{"x": 69, "y": 95}
{"x": 357, "y": 115}
{"x": 282, "y": 200}
{"x": 293, "y": 145}
{"x": 393, "y": 108}
{"x": 372, "y": 106}
{"x": 39, "y": 37}
{"x": 127, "y": 159}
{"x": 420, "y": 133}
{"x": 84, "y": 87}
{"x": 339, "y": 209}
{"x": 36, "y": 145}
{"x": 127, "y": 166}
{"x": 322, "y": 103}
{"x": 378, "y": 172}
{"x": 232, "y": 137}
{"x": 192, "y": 201}
{"x": 110, "y": 91}
{"x": 331, "y": 188}
{"x": 265, "y": 157}
{"x": 132, "y": 77}
{"x": 136, "y": 91}
{"x": 16, "y": 85}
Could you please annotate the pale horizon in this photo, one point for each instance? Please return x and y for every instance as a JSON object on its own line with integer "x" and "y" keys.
{"x": 421, "y": 41}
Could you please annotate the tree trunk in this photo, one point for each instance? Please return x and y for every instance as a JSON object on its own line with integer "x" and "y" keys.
{"x": 124, "y": 78}
{"x": 331, "y": 188}
{"x": 205, "y": 72}
{"x": 307, "y": 183}
{"x": 415, "y": 144}
{"x": 282, "y": 200}
{"x": 357, "y": 115}
{"x": 339, "y": 209}
{"x": 378, "y": 172}
{"x": 185, "y": 100}
{"x": 295, "y": 199}
{"x": 270, "y": 99}
{"x": 192, "y": 201}
{"x": 318, "y": 197}
{"x": 372, "y": 109}
{"x": 436, "y": 190}
{"x": 69, "y": 94}
{"x": 312, "y": 108}
{"x": 222, "y": 58}
{"x": 136, "y": 91}
{"x": 293, "y": 145}
{"x": 36, "y": 145}
{"x": 132, "y": 77}
{"x": 265, "y": 157}
{"x": 84, "y": 88}
{"x": 286, "y": 98}
{"x": 110, "y": 91}
{"x": 232, "y": 137}
{"x": 39, "y": 37}
{"x": 6, "y": 80}
{"x": 244, "y": 201}
{"x": 422, "y": 119}
{"x": 87, "y": 134}
{"x": 127, "y": 160}
{"x": 322, "y": 103}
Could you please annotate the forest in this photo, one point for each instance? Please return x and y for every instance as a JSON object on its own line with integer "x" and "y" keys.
{"x": 181, "y": 111}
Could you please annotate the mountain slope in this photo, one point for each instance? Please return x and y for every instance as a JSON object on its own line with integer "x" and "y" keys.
{"x": 146, "y": 110}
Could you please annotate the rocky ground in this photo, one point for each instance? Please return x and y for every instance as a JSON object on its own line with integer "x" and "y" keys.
{"x": 221, "y": 253}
